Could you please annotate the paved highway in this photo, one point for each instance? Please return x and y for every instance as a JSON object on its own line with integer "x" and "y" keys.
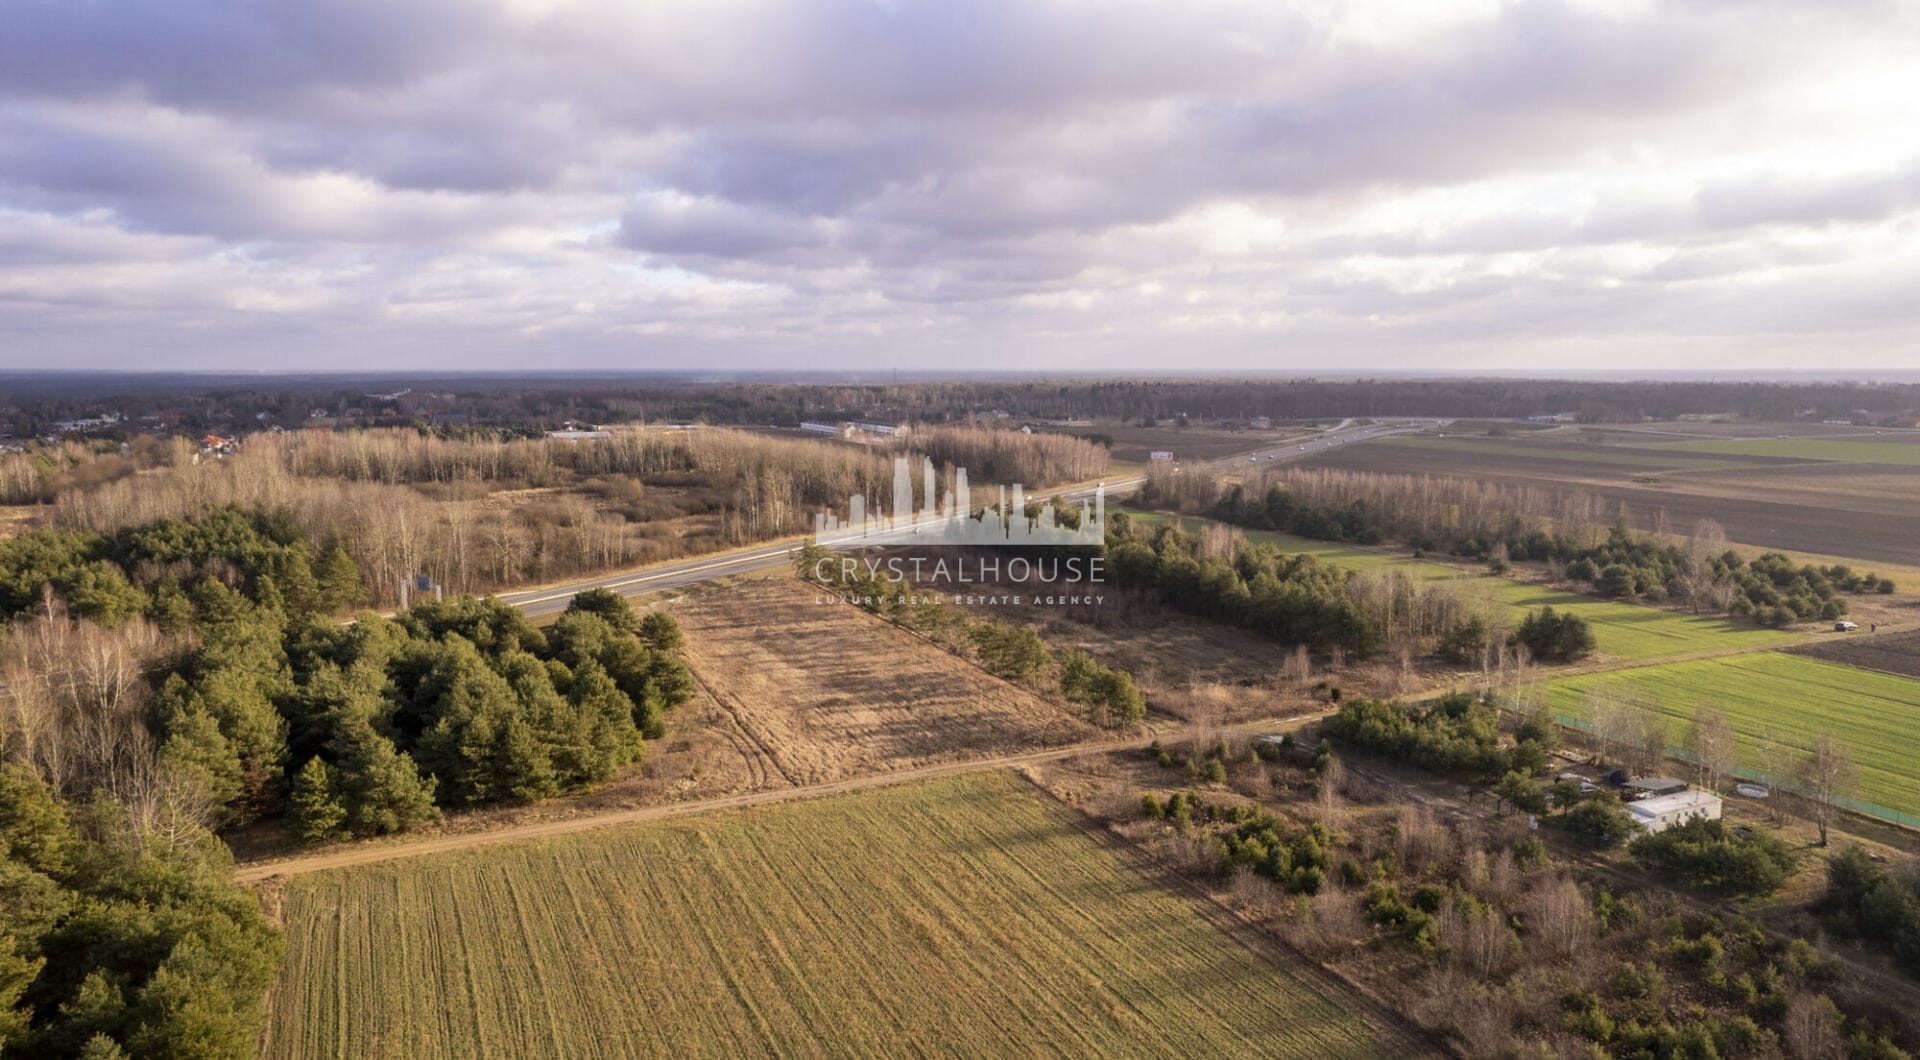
{"x": 553, "y": 599}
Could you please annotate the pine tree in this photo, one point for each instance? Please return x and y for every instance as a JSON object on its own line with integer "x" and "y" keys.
{"x": 660, "y": 631}
{"x": 315, "y": 813}
{"x": 607, "y": 604}
{"x": 339, "y": 580}
{"x": 521, "y": 768}
{"x": 609, "y": 715}
{"x": 294, "y": 573}
{"x": 382, "y": 789}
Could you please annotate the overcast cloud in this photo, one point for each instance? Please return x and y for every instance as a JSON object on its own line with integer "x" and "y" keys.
{"x": 1324, "y": 186}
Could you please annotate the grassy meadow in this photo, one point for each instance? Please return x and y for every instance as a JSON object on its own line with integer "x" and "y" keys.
{"x": 960, "y": 916}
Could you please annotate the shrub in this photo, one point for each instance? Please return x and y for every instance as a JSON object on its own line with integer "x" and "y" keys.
{"x": 1703, "y": 853}
{"x": 1599, "y": 822}
{"x": 1634, "y": 981}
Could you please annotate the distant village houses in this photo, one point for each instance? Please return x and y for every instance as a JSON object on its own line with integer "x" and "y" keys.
{"x": 91, "y": 423}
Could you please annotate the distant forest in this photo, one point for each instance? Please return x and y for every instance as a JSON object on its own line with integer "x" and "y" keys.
{"x": 31, "y": 404}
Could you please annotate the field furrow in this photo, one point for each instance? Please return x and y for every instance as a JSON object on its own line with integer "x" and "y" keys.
{"x": 960, "y": 916}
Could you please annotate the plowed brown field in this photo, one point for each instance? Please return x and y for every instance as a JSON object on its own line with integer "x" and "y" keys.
{"x": 823, "y": 691}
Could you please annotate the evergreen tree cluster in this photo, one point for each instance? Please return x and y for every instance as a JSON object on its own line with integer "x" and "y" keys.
{"x": 465, "y": 703}
{"x": 1456, "y": 734}
{"x": 1112, "y": 699}
{"x": 1774, "y": 591}
{"x": 151, "y": 570}
{"x": 1254, "y": 838}
{"x": 1278, "y": 509}
{"x": 1291, "y": 599}
{"x": 363, "y": 728}
{"x": 1553, "y": 636}
{"x": 119, "y": 941}
{"x": 1704, "y": 853}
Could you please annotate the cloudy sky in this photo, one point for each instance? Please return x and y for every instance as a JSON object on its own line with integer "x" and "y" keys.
{"x": 1326, "y": 186}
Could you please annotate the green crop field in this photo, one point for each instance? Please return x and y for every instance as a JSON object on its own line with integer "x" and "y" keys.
{"x": 1787, "y": 698}
{"x": 1894, "y": 451}
{"x": 1634, "y": 632}
{"x": 967, "y": 916}
{"x": 1622, "y": 631}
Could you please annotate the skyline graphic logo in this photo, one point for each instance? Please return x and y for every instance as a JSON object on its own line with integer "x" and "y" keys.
{"x": 1002, "y": 522}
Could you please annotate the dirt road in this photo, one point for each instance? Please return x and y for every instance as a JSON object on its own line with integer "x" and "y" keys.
{"x": 369, "y": 853}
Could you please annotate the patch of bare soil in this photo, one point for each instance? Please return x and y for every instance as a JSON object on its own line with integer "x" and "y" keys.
{"x": 821, "y": 690}
{"x": 1894, "y": 653}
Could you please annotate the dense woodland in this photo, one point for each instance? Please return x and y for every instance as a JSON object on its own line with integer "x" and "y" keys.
{"x": 169, "y": 681}
{"x": 482, "y": 513}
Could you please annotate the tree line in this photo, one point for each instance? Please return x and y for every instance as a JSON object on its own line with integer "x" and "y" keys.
{"x": 1293, "y": 599}
{"x": 1502, "y": 525}
{"x": 32, "y": 404}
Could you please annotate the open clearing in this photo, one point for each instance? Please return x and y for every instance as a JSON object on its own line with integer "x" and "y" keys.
{"x": 1789, "y": 699}
{"x": 824, "y": 691}
{"x": 965, "y": 916}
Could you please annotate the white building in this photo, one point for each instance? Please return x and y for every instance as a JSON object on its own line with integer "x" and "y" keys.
{"x": 1260, "y": 423}
{"x": 880, "y": 428}
{"x": 1160, "y": 454}
{"x": 1664, "y": 811}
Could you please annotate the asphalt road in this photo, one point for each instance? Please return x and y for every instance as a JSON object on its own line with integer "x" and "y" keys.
{"x": 554, "y": 598}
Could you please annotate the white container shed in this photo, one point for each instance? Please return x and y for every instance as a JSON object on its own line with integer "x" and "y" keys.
{"x": 1664, "y": 811}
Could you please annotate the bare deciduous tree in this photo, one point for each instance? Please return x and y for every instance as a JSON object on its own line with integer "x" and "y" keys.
{"x": 1481, "y": 941}
{"x": 1812, "y": 1028}
{"x": 1827, "y": 776}
{"x": 75, "y": 708}
{"x": 1715, "y": 749}
{"x": 1558, "y": 916}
